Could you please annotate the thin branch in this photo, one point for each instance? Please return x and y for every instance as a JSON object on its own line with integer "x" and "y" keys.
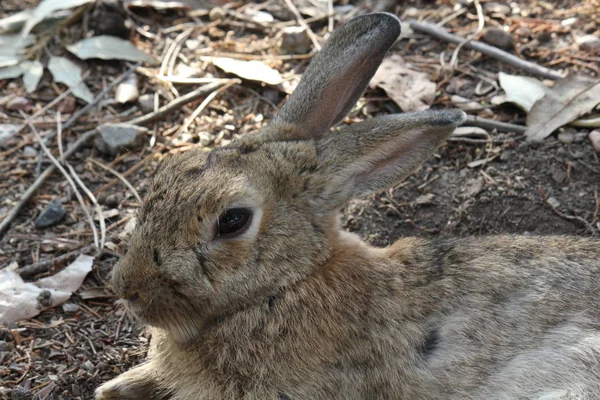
{"x": 68, "y": 178}
{"x": 302, "y": 22}
{"x": 118, "y": 175}
{"x": 87, "y": 136}
{"x": 491, "y": 124}
{"x": 488, "y": 50}
{"x": 481, "y": 24}
{"x": 205, "y": 103}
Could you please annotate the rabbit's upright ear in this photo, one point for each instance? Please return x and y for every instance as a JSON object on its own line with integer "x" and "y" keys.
{"x": 336, "y": 77}
{"x": 375, "y": 154}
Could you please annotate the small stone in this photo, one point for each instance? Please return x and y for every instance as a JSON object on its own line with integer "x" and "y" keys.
{"x": 595, "y": 139}
{"x": 216, "y": 33}
{"x": 113, "y": 139}
{"x": 566, "y": 137}
{"x": 217, "y": 13}
{"x": 29, "y": 151}
{"x": 523, "y": 31}
{"x": 205, "y": 139}
{"x": 146, "y": 102}
{"x": 426, "y": 199}
{"x": 506, "y": 155}
{"x": 113, "y": 200}
{"x": 101, "y": 198}
{"x": 580, "y": 137}
{"x": 127, "y": 91}
{"x": 294, "y": 40}
{"x": 523, "y": 147}
{"x": 192, "y": 44}
{"x": 70, "y": 307}
{"x": 497, "y": 8}
{"x": 499, "y": 38}
{"x": 52, "y": 215}
{"x": 4, "y": 346}
{"x": 18, "y": 103}
{"x": 88, "y": 365}
{"x": 553, "y": 202}
{"x": 589, "y": 43}
{"x": 67, "y": 106}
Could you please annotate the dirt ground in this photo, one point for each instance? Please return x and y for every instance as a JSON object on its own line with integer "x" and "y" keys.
{"x": 515, "y": 187}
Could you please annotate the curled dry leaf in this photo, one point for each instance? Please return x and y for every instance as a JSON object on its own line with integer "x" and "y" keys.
{"x": 109, "y": 48}
{"x": 45, "y": 9}
{"x": 569, "y": 99}
{"x": 252, "y": 70}
{"x": 21, "y": 300}
{"x": 65, "y": 71}
{"x": 410, "y": 89}
{"x": 33, "y": 73}
{"x": 523, "y": 91}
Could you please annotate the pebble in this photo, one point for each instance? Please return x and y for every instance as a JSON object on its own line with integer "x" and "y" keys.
{"x": 294, "y": 40}
{"x": 4, "y": 346}
{"x": 566, "y": 137}
{"x": 146, "y": 102}
{"x": 580, "y": 136}
{"x": 29, "y": 151}
{"x": 589, "y": 43}
{"x": 113, "y": 139}
{"x": 205, "y": 139}
{"x": 52, "y": 215}
{"x": 553, "y": 202}
{"x": 217, "y": 13}
{"x": 67, "y": 106}
{"x": 70, "y": 307}
{"x": 18, "y": 103}
{"x": 497, "y": 8}
{"x": 113, "y": 200}
{"x": 506, "y": 155}
{"x": 595, "y": 139}
{"x": 499, "y": 38}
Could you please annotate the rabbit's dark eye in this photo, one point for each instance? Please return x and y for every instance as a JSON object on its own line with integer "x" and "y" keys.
{"x": 233, "y": 222}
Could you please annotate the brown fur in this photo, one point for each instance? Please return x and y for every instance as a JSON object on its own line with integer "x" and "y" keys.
{"x": 298, "y": 309}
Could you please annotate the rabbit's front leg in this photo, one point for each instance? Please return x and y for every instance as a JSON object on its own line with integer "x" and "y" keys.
{"x": 140, "y": 383}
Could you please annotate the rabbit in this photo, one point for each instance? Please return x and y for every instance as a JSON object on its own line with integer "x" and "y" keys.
{"x": 253, "y": 291}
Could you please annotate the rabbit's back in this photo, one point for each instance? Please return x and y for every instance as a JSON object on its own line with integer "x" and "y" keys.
{"x": 513, "y": 317}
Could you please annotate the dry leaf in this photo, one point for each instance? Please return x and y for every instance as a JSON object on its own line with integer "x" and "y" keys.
{"x": 523, "y": 91}
{"x": 109, "y": 48}
{"x": 65, "y": 71}
{"x": 252, "y": 70}
{"x": 21, "y": 300}
{"x": 569, "y": 99}
{"x": 45, "y": 9}
{"x": 411, "y": 90}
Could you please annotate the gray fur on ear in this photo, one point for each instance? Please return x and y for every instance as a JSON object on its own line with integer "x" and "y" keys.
{"x": 336, "y": 77}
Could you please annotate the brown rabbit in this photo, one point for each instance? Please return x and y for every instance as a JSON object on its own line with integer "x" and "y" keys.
{"x": 254, "y": 292}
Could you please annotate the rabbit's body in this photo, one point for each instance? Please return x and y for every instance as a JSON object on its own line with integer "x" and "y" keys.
{"x": 255, "y": 292}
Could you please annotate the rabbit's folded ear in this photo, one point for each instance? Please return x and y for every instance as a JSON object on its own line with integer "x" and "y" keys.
{"x": 375, "y": 154}
{"x": 337, "y": 76}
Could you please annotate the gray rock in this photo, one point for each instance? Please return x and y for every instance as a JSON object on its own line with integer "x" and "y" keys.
{"x": 294, "y": 40}
{"x": 29, "y": 151}
{"x": 146, "y": 102}
{"x": 590, "y": 43}
{"x": 499, "y": 38}
{"x": 497, "y": 8}
{"x": 595, "y": 139}
{"x": 113, "y": 139}
{"x": 52, "y": 215}
{"x": 21, "y": 393}
{"x": 566, "y": 137}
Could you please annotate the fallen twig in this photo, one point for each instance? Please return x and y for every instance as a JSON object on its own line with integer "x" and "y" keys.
{"x": 480, "y": 25}
{"x": 83, "y": 139}
{"x": 491, "y": 124}
{"x": 589, "y": 226}
{"x": 303, "y": 24}
{"x": 486, "y": 49}
{"x": 205, "y": 102}
{"x": 43, "y": 266}
{"x": 71, "y": 182}
{"x": 118, "y": 175}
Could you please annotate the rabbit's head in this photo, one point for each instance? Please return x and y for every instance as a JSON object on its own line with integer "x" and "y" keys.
{"x": 230, "y": 228}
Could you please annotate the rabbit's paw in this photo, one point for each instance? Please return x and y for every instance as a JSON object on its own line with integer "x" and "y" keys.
{"x": 135, "y": 384}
